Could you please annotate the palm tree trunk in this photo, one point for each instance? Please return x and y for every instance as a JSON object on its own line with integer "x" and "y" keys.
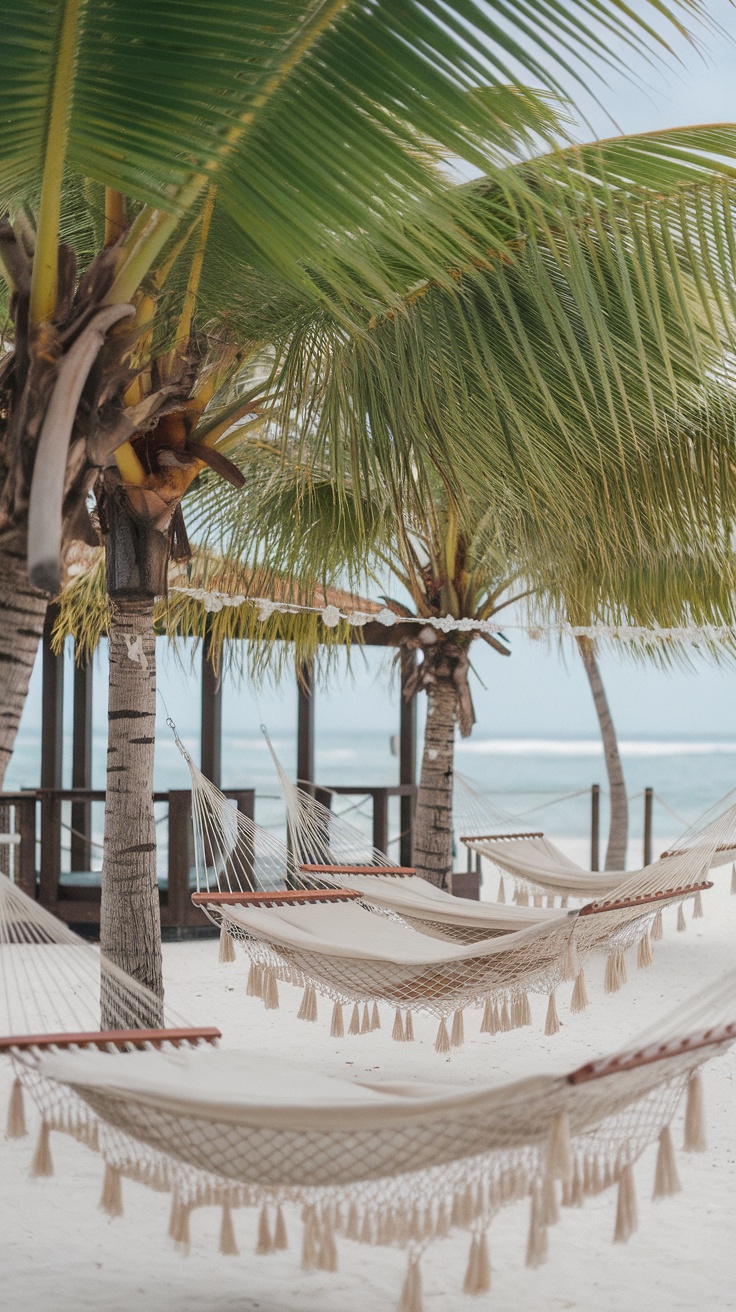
{"x": 618, "y": 832}
{"x": 432, "y": 855}
{"x": 22, "y": 614}
{"x": 130, "y": 924}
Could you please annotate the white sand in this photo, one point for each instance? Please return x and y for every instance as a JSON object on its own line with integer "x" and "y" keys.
{"x": 59, "y": 1253}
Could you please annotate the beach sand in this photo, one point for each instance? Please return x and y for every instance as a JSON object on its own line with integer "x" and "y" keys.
{"x": 59, "y": 1253}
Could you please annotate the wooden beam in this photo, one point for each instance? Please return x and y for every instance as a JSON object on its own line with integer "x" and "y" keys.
{"x": 305, "y": 725}
{"x": 82, "y": 765}
{"x": 211, "y": 721}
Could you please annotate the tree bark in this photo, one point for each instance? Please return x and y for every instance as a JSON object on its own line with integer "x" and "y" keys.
{"x": 130, "y": 924}
{"x": 22, "y": 614}
{"x": 618, "y": 832}
{"x": 432, "y": 854}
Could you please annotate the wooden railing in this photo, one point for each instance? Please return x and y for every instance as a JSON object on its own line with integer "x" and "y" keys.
{"x": 379, "y": 795}
{"x": 37, "y": 820}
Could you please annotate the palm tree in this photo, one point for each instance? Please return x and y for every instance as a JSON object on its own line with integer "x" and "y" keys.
{"x": 582, "y": 452}
{"x": 267, "y": 140}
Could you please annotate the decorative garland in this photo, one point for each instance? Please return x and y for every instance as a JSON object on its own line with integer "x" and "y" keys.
{"x": 332, "y": 615}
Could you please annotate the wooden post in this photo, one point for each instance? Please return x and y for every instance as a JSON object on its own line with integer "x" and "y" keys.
{"x": 648, "y": 802}
{"x": 25, "y": 825}
{"x": 595, "y": 825}
{"x": 82, "y": 765}
{"x": 180, "y": 840}
{"x": 305, "y": 725}
{"x": 211, "y": 721}
{"x": 380, "y": 819}
{"x": 407, "y": 757}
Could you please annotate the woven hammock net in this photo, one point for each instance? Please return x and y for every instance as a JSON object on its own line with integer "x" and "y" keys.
{"x": 395, "y": 941}
{"x": 374, "y": 1163}
{"x": 537, "y": 866}
{"x": 391, "y": 1164}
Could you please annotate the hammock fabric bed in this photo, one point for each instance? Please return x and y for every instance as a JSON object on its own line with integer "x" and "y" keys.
{"x": 397, "y": 1164}
{"x": 296, "y": 926}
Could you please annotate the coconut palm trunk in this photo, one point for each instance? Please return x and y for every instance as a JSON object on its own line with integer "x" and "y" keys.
{"x": 432, "y": 852}
{"x": 618, "y": 832}
{"x": 22, "y": 614}
{"x": 130, "y": 926}
{"x": 130, "y": 922}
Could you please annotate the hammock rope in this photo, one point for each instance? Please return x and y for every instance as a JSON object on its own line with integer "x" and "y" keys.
{"x": 332, "y": 914}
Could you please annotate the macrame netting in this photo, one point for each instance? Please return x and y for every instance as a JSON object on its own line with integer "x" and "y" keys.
{"x": 425, "y": 950}
{"x": 538, "y": 867}
{"x": 55, "y": 988}
{"x": 398, "y": 1165}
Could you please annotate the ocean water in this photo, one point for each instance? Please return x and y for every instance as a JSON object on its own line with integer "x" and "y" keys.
{"x": 538, "y": 781}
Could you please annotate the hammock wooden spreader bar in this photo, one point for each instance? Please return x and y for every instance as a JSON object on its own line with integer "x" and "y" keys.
{"x": 644, "y": 899}
{"x": 597, "y": 1070}
{"x": 296, "y": 897}
{"x": 307, "y": 868}
{"x": 104, "y": 1040}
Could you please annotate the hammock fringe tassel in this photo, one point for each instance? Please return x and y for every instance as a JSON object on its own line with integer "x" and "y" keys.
{"x": 265, "y": 1242}
{"x": 409, "y": 1028}
{"x": 579, "y": 1000}
{"x": 354, "y": 1027}
{"x": 457, "y": 1037}
{"x": 537, "y": 1249}
{"x": 411, "y": 1294}
{"x": 42, "y": 1165}
{"x": 552, "y": 1023}
{"x": 697, "y": 907}
{"x": 228, "y": 1243}
{"x": 666, "y": 1178}
{"x": 254, "y": 988}
{"x": 398, "y": 1032}
{"x": 644, "y": 954}
{"x": 227, "y": 947}
{"x": 681, "y": 921}
{"x": 615, "y": 976}
{"x": 626, "y": 1218}
{"x": 442, "y": 1042}
{"x": 16, "y": 1123}
{"x": 695, "y": 1138}
{"x": 337, "y": 1028}
{"x": 308, "y": 1007}
{"x": 271, "y": 991}
{"x": 657, "y": 928}
{"x": 478, "y": 1272}
{"x": 280, "y": 1237}
{"x": 111, "y": 1198}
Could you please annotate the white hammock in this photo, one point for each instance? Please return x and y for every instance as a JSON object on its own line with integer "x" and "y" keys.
{"x": 380, "y": 1164}
{"x": 537, "y": 866}
{"x": 289, "y": 919}
{"x": 394, "y": 1164}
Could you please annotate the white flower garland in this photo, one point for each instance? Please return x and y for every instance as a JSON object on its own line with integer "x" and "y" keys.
{"x": 332, "y": 615}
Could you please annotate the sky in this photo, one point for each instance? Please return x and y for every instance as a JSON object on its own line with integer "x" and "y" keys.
{"x": 537, "y": 692}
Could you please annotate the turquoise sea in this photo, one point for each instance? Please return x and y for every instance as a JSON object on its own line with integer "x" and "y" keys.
{"x": 539, "y": 780}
